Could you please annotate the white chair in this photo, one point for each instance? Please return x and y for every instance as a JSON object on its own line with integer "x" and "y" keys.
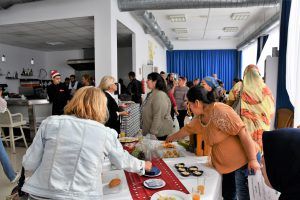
{"x": 11, "y": 121}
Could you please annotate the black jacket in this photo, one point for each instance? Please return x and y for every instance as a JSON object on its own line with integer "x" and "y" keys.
{"x": 58, "y": 96}
{"x": 134, "y": 89}
{"x": 113, "y": 120}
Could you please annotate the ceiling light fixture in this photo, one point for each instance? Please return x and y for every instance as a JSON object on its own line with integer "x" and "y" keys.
{"x": 240, "y": 16}
{"x": 177, "y": 18}
{"x": 180, "y": 30}
{"x": 182, "y": 38}
{"x": 230, "y": 29}
{"x": 225, "y": 37}
{"x": 55, "y": 43}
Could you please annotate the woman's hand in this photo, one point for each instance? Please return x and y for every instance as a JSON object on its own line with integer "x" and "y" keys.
{"x": 254, "y": 165}
{"x": 148, "y": 166}
{"x": 124, "y": 113}
{"x": 171, "y": 138}
{"x": 123, "y": 105}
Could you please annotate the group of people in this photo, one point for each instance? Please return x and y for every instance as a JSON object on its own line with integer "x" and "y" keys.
{"x": 68, "y": 150}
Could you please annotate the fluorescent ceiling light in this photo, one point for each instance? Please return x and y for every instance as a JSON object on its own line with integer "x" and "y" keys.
{"x": 182, "y": 38}
{"x": 177, "y": 18}
{"x": 230, "y": 29}
{"x": 240, "y": 16}
{"x": 225, "y": 37}
{"x": 55, "y": 43}
{"x": 203, "y": 16}
{"x": 180, "y": 30}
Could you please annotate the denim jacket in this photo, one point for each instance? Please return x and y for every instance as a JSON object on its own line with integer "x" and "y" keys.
{"x": 66, "y": 158}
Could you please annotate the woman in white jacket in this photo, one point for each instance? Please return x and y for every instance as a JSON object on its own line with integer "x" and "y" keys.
{"x": 67, "y": 153}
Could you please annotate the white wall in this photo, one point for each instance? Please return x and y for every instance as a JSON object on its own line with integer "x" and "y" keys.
{"x": 57, "y": 60}
{"x": 205, "y": 45}
{"x": 16, "y": 59}
{"x": 124, "y": 63}
{"x": 106, "y": 14}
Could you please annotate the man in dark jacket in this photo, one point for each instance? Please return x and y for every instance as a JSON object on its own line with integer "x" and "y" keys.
{"x": 134, "y": 88}
{"x": 58, "y": 94}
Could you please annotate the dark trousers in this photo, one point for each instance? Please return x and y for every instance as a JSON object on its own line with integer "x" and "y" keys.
{"x": 163, "y": 138}
{"x": 181, "y": 117}
{"x": 235, "y": 185}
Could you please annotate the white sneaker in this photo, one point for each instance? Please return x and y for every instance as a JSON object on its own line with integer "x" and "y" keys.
{"x": 18, "y": 174}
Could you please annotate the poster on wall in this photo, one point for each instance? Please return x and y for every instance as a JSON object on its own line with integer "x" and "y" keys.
{"x": 150, "y": 52}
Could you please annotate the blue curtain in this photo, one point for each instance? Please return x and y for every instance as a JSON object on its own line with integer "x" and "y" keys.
{"x": 283, "y": 100}
{"x": 239, "y": 68}
{"x": 261, "y": 41}
{"x": 200, "y": 63}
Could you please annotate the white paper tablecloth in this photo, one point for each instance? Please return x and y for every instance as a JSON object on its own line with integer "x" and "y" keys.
{"x": 213, "y": 180}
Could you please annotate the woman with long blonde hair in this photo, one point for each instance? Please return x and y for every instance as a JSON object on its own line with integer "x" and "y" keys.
{"x": 67, "y": 152}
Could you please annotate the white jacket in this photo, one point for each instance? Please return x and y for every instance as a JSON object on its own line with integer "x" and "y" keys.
{"x": 66, "y": 158}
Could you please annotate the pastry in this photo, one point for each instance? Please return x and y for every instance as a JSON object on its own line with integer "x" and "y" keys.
{"x": 181, "y": 169}
{"x": 193, "y": 168}
{"x": 114, "y": 182}
{"x": 197, "y": 173}
{"x": 185, "y": 173}
{"x": 179, "y": 165}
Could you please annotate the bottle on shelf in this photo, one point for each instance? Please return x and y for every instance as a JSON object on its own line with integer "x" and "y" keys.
{"x": 30, "y": 72}
{"x": 16, "y": 75}
{"x": 23, "y": 72}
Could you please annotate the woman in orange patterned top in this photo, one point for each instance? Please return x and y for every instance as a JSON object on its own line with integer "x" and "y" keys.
{"x": 257, "y": 104}
{"x": 233, "y": 150}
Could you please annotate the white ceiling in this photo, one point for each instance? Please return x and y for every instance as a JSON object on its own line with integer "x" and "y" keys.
{"x": 75, "y": 33}
{"x": 208, "y": 24}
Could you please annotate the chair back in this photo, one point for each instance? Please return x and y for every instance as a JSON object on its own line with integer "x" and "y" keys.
{"x": 285, "y": 118}
{"x": 5, "y": 118}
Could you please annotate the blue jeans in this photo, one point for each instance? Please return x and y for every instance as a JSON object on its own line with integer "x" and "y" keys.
{"x": 241, "y": 181}
{"x": 235, "y": 185}
{"x": 8, "y": 169}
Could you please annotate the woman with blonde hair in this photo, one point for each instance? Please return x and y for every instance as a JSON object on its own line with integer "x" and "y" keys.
{"x": 67, "y": 152}
{"x": 109, "y": 87}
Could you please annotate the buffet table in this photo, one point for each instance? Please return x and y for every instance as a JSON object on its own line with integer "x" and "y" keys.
{"x": 213, "y": 180}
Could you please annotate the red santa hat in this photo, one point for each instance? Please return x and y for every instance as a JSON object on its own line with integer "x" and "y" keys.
{"x": 54, "y": 73}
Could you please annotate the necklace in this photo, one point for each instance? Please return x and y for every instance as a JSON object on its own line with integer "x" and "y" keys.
{"x": 201, "y": 123}
{"x": 201, "y": 116}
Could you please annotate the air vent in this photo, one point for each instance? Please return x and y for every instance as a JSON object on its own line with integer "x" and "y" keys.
{"x": 225, "y": 37}
{"x": 55, "y": 43}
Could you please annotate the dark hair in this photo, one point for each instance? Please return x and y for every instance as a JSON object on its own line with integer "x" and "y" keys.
{"x": 121, "y": 81}
{"x": 160, "y": 83}
{"x": 219, "y": 82}
{"x": 131, "y": 74}
{"x": 72, "y": 76}
{"x": 196, "y": 79}
{"x": 182, "y": 77}
{"x": 189, "y": 84}
{"x": 67, "y": 79}
{"x": 162, "y": 72}
{"x": 201, "y": 94}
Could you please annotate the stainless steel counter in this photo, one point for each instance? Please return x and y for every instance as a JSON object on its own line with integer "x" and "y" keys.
{"x": 31, "y": 109}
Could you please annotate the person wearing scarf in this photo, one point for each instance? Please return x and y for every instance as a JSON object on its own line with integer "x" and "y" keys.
{"x": 281, "y": 162}
{"x": 257, "y": 104}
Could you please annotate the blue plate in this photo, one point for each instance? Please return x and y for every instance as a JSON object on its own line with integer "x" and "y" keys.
{"x": 153, "y": 173}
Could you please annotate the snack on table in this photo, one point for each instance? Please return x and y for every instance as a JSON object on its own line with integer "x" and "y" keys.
{"x": 168, "y": 145}
{"x": 128, "y": 139}
{"x": 171, "y": 154}
{"x": 166, "y": 198}
{"x": 178, "y": 165}
{"x": 185, "y": 173}
{"x": 181, "y": 169}
{"x": 197, "y": 173}
{"x": 114, "y": 182}
{"x": 193, "y": 168}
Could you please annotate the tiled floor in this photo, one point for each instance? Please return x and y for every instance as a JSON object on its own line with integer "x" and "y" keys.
{"x": 16, "y": 160}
